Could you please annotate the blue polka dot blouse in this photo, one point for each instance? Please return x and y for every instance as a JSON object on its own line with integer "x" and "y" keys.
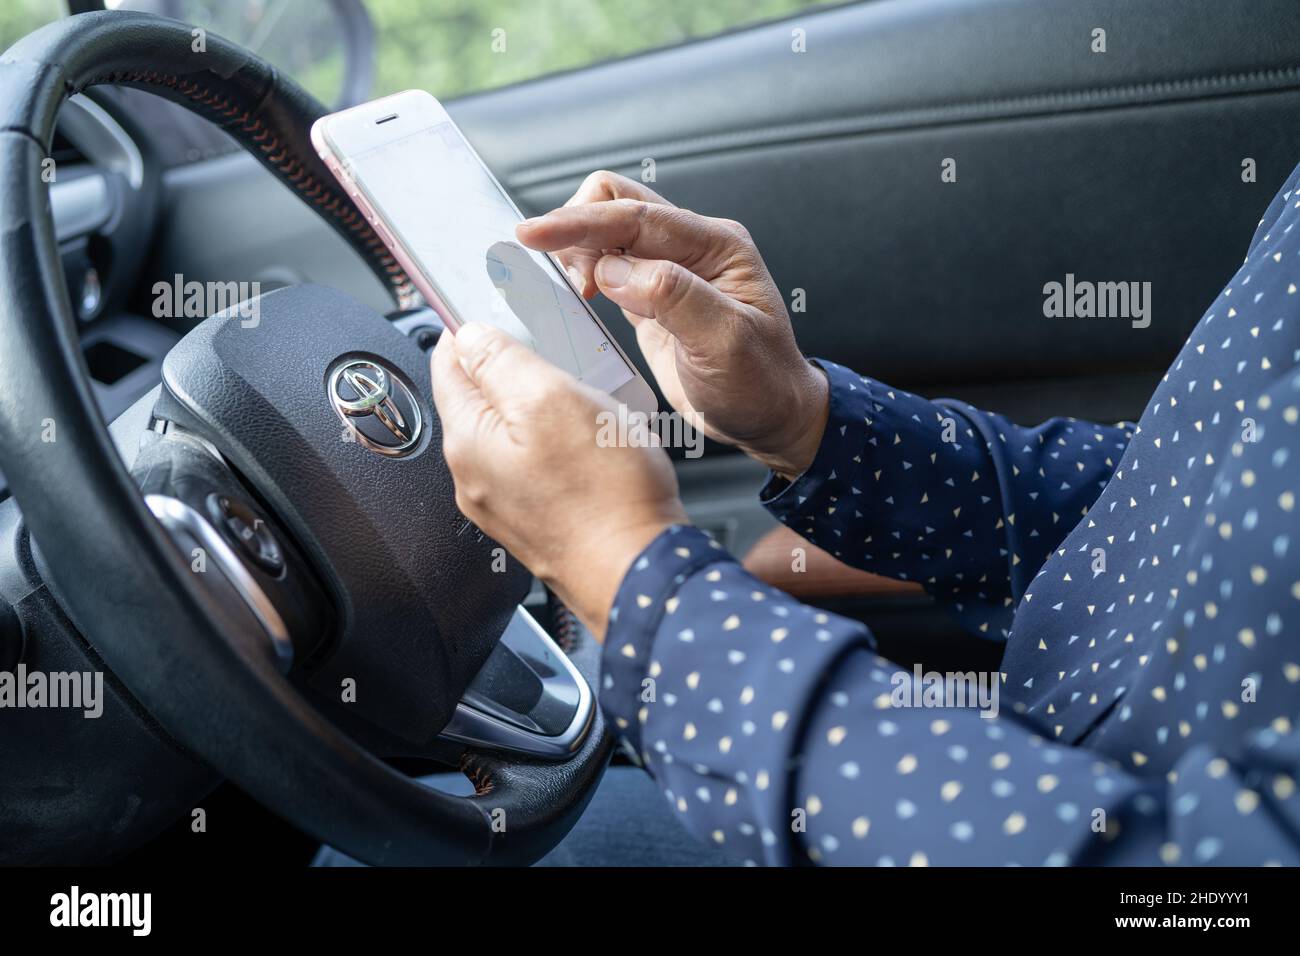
{"x": 1143, "y": 580}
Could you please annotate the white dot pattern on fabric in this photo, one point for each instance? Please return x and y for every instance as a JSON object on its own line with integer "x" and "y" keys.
{"x": 1145, "y": 579}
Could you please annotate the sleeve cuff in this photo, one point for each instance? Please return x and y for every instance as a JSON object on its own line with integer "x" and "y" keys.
{"x": 833, "y": 468}
{"x": 646, "y": 594}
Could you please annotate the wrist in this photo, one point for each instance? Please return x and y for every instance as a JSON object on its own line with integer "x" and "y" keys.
{"x": 793, "y": 448}
{"x": 589, "y": 574}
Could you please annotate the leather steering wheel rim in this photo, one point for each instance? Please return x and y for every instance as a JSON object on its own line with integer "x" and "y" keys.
{"x": 118, "y": 574}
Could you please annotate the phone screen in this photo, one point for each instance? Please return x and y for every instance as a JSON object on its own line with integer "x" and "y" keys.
{"x": 456, "y": 222}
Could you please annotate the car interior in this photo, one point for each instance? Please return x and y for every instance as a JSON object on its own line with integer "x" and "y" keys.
{"x": 135, "y": 435}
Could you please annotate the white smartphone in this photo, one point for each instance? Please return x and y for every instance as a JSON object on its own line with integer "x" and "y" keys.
{"x": 449, "y": 223}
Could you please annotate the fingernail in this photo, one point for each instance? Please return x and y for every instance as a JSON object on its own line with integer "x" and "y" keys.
{"x": 577, "y": 278}
{"x": 612, "y": 271}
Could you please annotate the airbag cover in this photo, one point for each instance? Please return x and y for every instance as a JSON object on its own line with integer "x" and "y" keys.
{"x": 420, "y": 591}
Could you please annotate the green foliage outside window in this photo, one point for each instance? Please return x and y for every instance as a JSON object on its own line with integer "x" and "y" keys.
{"x": 447, "y": 46}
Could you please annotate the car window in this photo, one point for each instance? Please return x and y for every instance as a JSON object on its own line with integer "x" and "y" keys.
{"x": 346, "y": 51}
{"x": 452, "y": 47}
{"x": 20, "y": 17}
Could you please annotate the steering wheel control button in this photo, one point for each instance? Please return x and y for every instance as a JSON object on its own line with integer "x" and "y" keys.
{"x": 426, "y": 338}
{"x": 250, "y": 532}
{"x": 379, "y": 410}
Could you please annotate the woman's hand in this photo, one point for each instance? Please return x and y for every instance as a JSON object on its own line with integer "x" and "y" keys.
{"x": 520, "y": 438}
{"x": 708, "y": 317}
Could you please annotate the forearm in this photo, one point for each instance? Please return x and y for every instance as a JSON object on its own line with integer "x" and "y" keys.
{"x": 965, "y": 502}
{"x": 708, "y": 674}
{"x": 778, "y": 734}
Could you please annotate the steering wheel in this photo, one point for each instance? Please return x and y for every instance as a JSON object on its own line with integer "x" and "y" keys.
{"x": 266, "y": 551}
